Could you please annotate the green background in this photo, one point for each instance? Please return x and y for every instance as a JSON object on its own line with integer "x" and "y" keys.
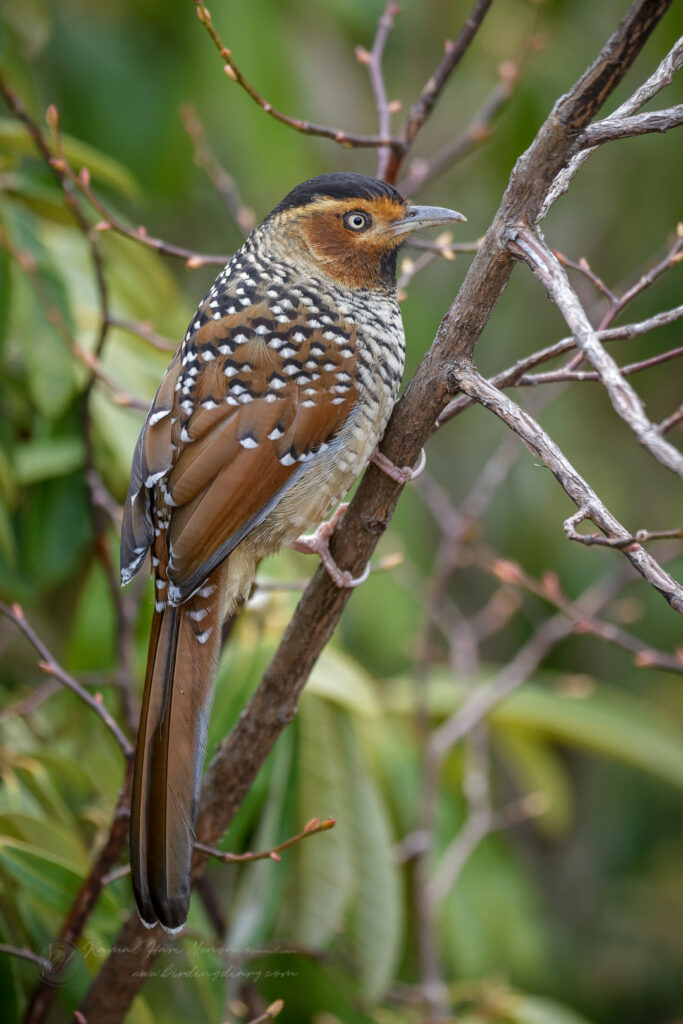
{"x": 574, "y": 917}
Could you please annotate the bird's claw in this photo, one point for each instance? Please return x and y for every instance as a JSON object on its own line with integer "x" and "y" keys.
{"x": 318, "y": 543}
{"x": 401, "y": 474}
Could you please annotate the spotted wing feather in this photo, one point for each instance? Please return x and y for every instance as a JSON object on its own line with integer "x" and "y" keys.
{"x": 255, "y": 396}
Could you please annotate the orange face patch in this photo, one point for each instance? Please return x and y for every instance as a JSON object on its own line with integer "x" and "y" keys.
{"x": 356, "y": 258}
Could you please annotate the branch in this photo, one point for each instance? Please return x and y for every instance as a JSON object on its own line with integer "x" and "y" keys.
{"x": 89, "y": 893}
{"x": 624, "y": 399}
{"x": 513, "y": 374}
{"x": 639, "y": 124}
{"x": 539, "y": 443}
{"x": 223, "y": 182}
{"x": 455, "y": 50}
{"x": 661, "y": 78}
{"x": 50, "y": 667}
{"x": 556, "y": 376}
{"x": 25, "y": 954}
{"x": 314, "y": 826}
{"x": 305, "y": 127}
{"x": 373, "y": 59}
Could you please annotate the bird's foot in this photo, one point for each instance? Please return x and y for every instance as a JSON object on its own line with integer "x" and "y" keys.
{"x": 318, "y": 543}
{"x": 401, "y": 474}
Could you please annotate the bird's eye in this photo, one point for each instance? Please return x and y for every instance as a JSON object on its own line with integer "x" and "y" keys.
{"x": 357, "y": 221}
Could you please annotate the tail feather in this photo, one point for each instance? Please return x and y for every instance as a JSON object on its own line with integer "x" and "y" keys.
{"x": 181, "y": 667}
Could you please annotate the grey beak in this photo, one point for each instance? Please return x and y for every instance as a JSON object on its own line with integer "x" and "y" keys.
{"x": 425, "y": 217}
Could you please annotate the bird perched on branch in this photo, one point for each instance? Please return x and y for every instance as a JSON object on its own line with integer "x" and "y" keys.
{"x": 271, "y": 407}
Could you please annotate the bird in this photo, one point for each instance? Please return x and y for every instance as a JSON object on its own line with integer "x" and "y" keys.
{"x": 271, "y": 407}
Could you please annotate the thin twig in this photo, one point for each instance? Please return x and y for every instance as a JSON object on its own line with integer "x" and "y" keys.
{"x": 310, "y": 829}
{"x": 455, "y": 51}
{"x": 143, "y": 330}
{"x": 660, "y": 79}
{"x": 226, "y": 186}
{"x": 26, "y": 954}
{"x": 512, "y": 374}
{"x": 233, "y": 72}
{"x": 373, "y": 60}
{"x": 613, "y": 128}
{"x": 556, "y": 376}
{"x": 50, "y": 667}
{"x": 545, "y": 265}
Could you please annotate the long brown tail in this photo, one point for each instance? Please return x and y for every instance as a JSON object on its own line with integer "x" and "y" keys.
{"x": 181, "y": 667}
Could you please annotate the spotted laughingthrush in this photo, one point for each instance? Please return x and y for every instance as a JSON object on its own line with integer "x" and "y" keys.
{"x": 271, "y": 407}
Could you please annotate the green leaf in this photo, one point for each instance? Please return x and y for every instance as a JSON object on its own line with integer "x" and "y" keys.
{"x": 52, "y": 879}
{"x": 92, "y": 644}
{"x": 604, "y": 721}
{"x": 15, "y": 142}
{"x": 255, "y": 904}
{"x": 51, "y": 836}
{"x": 340, "y": 679}
{"x": 5, "y": 294}
{"x": 538, "y": 1010}
{"x": 323, "y": 872}
{"x": 490, "y": 922}
{"x": 377, "y": 912}
{"x": 45, "y": 458}
{"x": 537, "y": 768}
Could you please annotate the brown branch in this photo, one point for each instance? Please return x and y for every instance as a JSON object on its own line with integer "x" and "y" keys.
{"x": 26, "y": 954}
{"x": 243, "y": 216}
{"x": 421, "y": 171}
{"x": 660, "y": 79}
{"x": 314, "y": 826}
{"x": 671, "y": 421}
{"x": 270, "y": 1013}
{"x": 144, "y": 331}
{"x": 305, "y": 127}
{"x": 87, "y": 897}
{"x": 548, "y": 589}
{"x": 373, "y": 60}
{"x": 455, "y": 50}
{"x": 274, "y": 703}
{"x": 557, "y": 376}
{"x": 50, "y": 667}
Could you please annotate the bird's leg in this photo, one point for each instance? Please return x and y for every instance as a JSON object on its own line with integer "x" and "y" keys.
{"x": 318, "y": 543}
{"x": 401, "y": 474}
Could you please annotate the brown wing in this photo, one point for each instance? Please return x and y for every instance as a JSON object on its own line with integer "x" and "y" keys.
{"x": 256, "y": 394}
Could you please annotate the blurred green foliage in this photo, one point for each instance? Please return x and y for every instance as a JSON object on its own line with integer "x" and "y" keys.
{"x": 566, "y": 920}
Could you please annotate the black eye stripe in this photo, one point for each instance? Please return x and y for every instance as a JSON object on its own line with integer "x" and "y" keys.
{"x": 357, "y": 220}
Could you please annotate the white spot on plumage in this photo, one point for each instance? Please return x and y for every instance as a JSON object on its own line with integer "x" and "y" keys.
{"x": 275, "y": 433}
{"x": 261, "y": 329}
{"x": 287, "y": 459}
{"x": 157, "y": 415}
{"x": 153, "y": 477}
{"x": 203, "y": 637}
{"x": 249, "y": 442}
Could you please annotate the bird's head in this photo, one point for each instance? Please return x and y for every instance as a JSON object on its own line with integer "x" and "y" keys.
{"x": 350, "y": 227}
